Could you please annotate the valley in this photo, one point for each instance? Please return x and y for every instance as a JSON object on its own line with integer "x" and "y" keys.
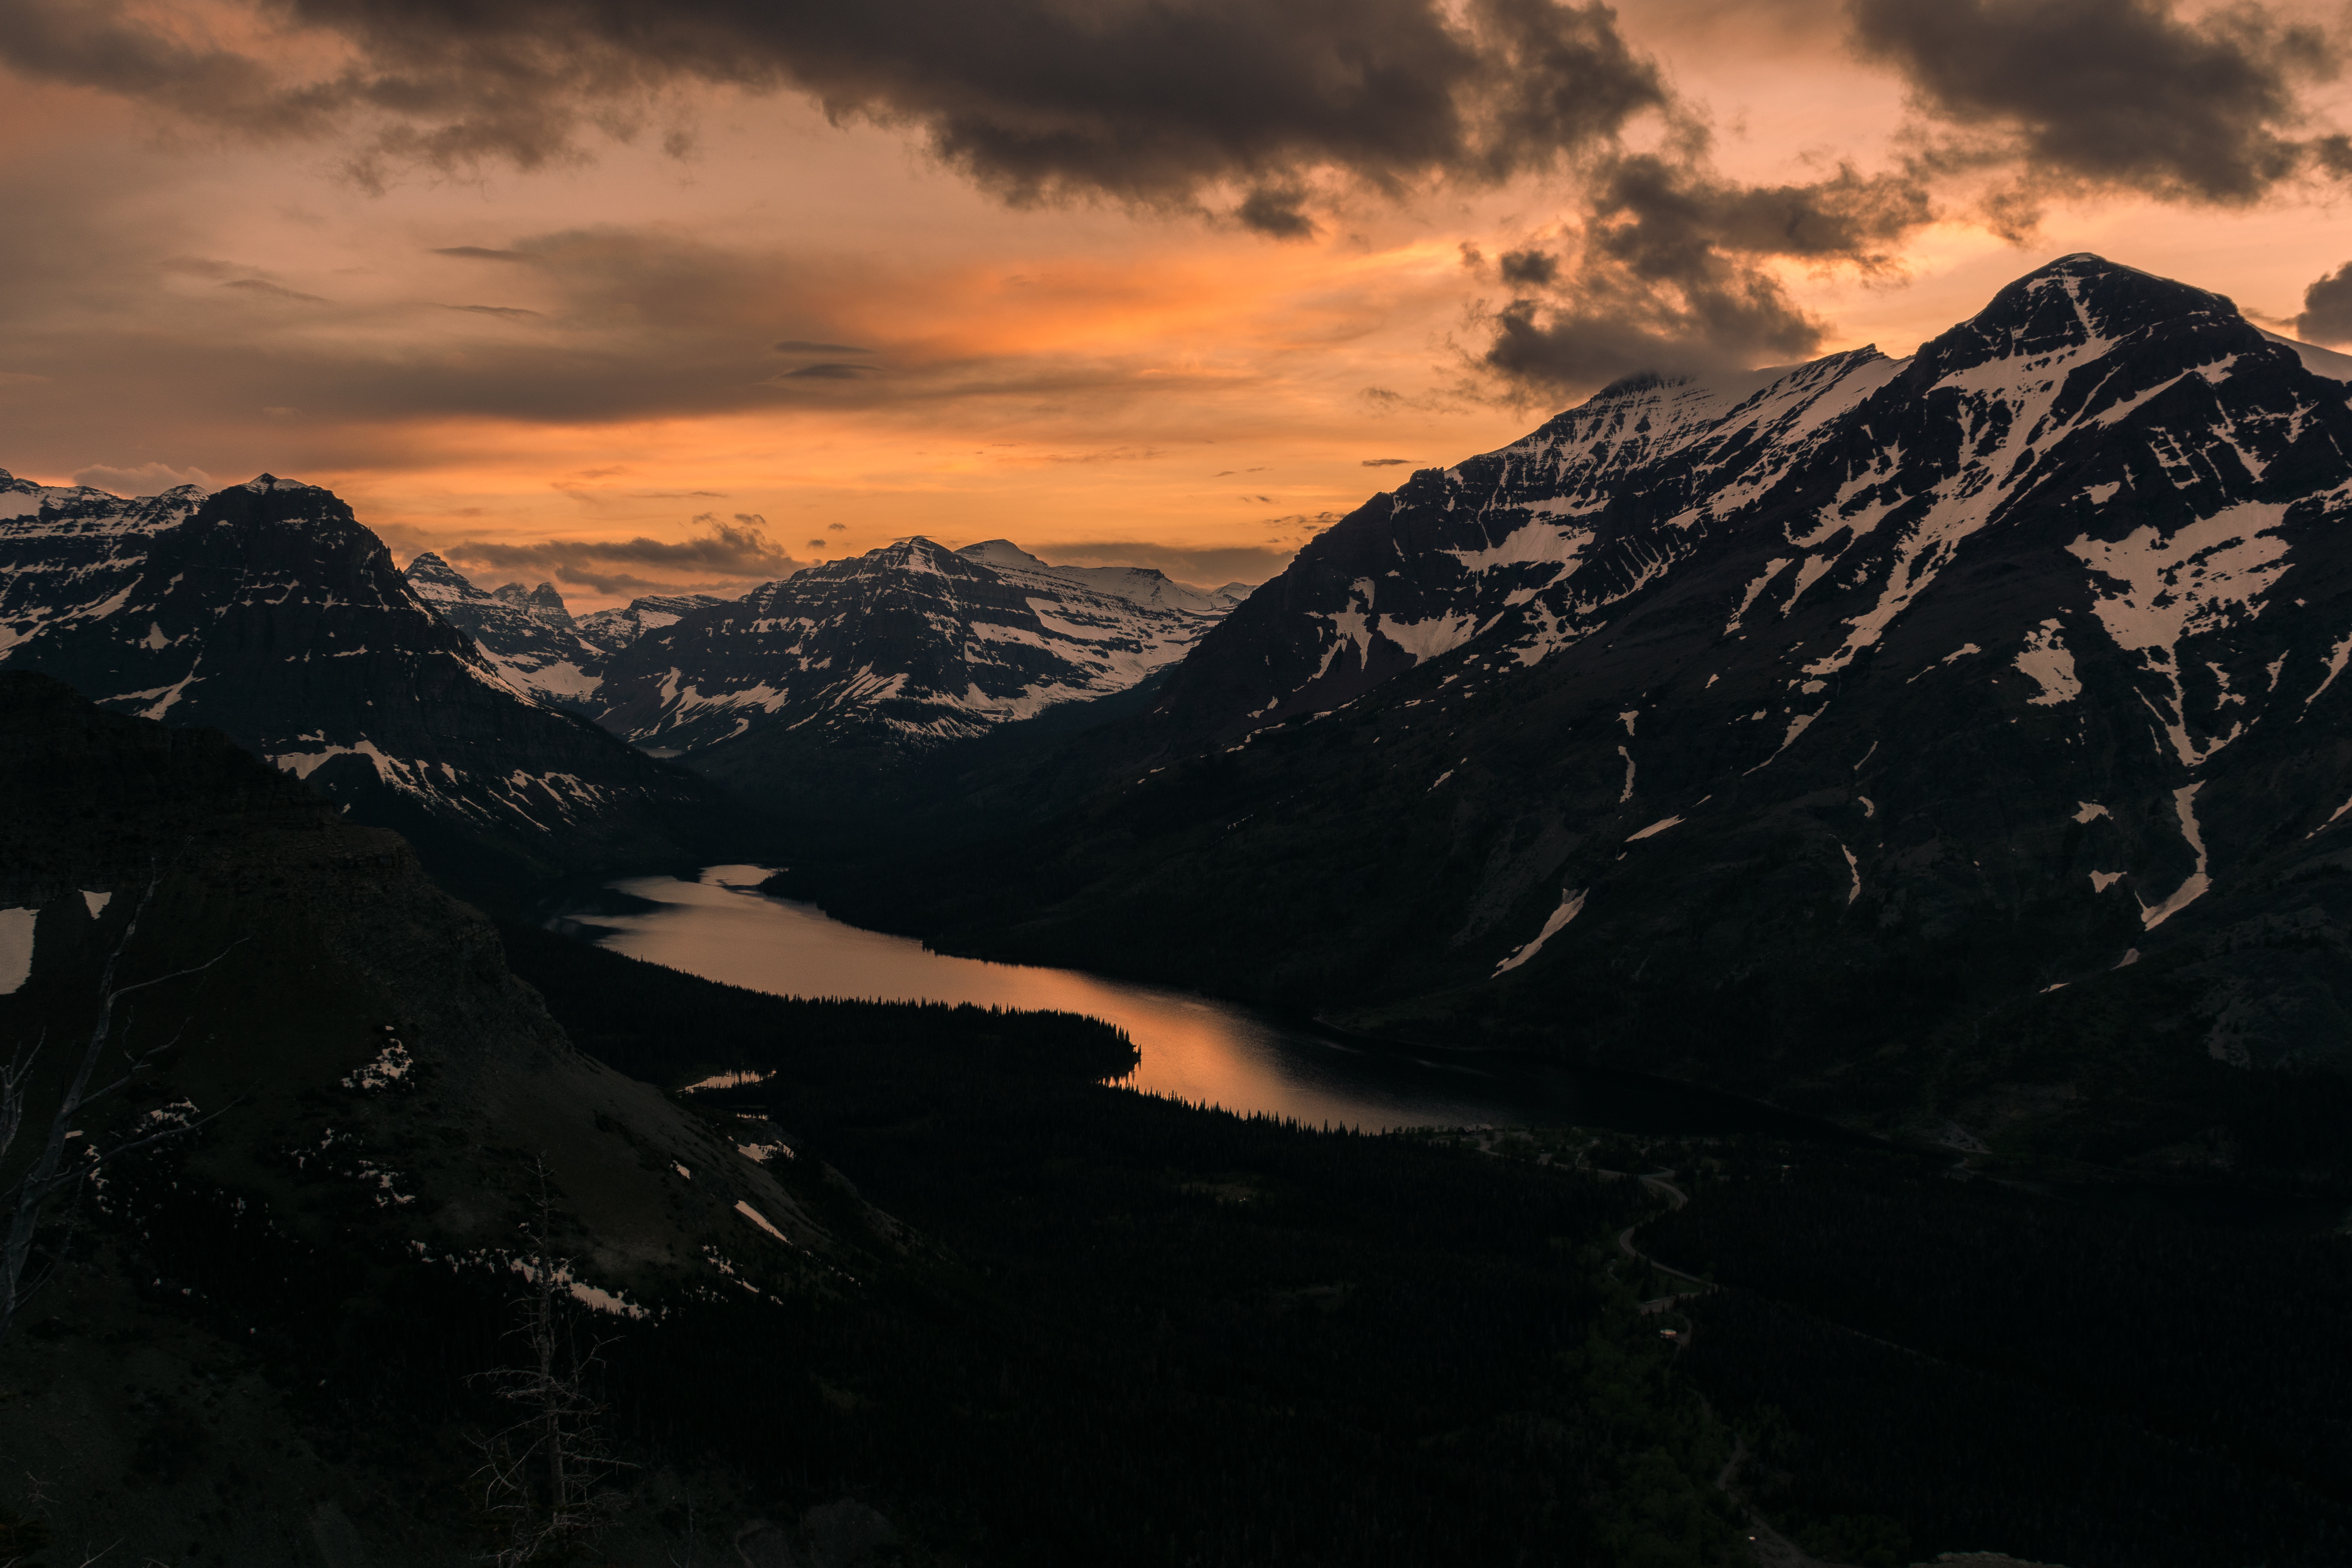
{"x": 949, "y": 1058}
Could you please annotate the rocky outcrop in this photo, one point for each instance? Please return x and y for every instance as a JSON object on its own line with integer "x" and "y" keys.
{"x": 610, "y": 631}
{"x": 526, "y": 634}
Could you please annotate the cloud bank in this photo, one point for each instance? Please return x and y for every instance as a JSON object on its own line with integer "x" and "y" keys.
{"x": 724, "y": 553}
{"x": 1271, "y": 116}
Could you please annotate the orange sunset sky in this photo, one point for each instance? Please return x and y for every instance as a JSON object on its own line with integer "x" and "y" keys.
{"x": 691, "y": 294}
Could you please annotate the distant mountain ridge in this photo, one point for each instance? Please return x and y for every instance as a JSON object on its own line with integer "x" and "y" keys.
{"x": 612, "y": 630}
{"x": 68, "y": 552}
{"x": 910, "y": 646}
{"x": 268, "y": 610}
{"x": 897, "y": 651}
{"x": 529, "y": 637}
{"x": 1782, "y": 730}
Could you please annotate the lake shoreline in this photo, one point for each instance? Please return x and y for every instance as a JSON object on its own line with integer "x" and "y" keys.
{"x": 723, "y": 925}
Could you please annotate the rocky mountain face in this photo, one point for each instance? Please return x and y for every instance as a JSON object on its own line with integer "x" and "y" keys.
{"x": 894, "y": 653}
{"x": 852, "y": 671}
{"x": 68, "y": 552}
{"x": 528, "y": 636}
{"x": 1899, "y": 738}
{"x": 612, "y": 630}
{"x": 269, "y": 612}
{"x": 369, "y": 1098}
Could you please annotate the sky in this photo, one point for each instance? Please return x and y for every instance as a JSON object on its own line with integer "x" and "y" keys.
{"x": 649, "y": 295}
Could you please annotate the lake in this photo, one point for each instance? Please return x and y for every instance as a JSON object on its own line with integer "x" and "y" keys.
{"x": 1193, "y": 1049}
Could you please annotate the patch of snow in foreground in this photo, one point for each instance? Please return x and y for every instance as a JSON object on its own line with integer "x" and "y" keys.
{"x": 2184, "y": 802}
{"x": 742, "y": 1079}
{"x": 390, "y": 1064}
{"x": 1569, "y": 906}
{"x": 2050, "y": 665}
{"x": 594, "y": 1297}
{"x": 756, "y": 1217}
{"x": 16, "y": 949}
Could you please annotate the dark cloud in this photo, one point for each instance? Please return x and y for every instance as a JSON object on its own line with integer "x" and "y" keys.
{"x": 511, "y": 312}
{"x": 1535, "y": 268}
{"x": 2326, "y": 316}
{"x": 739, "y": 551}
{"x": 1387, "y": 462}
{"x": 1264, "y": 113}
{"x": 1276, "y": 213}
{"x": 1208, "y": 568}
{"x": 2127, "y": 93}
{"x": 1037, "y": 100}
{"x": 1667, "y": 272}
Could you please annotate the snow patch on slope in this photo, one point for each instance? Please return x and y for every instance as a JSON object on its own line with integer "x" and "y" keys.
{"x": 1571, "y": 905}
{"x": 2170, "y": 586}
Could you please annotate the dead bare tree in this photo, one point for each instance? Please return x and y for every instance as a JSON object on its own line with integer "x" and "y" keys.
{"x": 52, "y": 1184}
{"x": 693, "y": 1537}
{"x": 544, "y": 1479}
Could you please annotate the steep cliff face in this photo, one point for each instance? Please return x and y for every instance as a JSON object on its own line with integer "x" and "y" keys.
{"x": 610, "y": 631}
{"x": 527, "y": 635}
{"x": 269, "y": 612}
{"x": 1785, "y": 729}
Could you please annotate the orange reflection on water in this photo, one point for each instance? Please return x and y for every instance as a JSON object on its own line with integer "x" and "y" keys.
{"x": 1192, "y": 1049}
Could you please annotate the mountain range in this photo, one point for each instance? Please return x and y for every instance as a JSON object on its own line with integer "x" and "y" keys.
{"x": 529, "y": 636}
{"x": 266, "y": 610}
{"x": 1874, "y": 735}
{"x": 375, "y": 1250}
{"x": 1955, "y": 747}
{"x": 1889, "y": 737}
{"x": 846, "y": 674}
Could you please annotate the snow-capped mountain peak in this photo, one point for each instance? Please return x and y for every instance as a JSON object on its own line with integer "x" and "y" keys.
{"x": 526, "y": 634}
{"x": 269, "y": 612}
{"x": 543, "y": 603}
{"x": 2040, "y": 629}
{"x": 906, "y": 646}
